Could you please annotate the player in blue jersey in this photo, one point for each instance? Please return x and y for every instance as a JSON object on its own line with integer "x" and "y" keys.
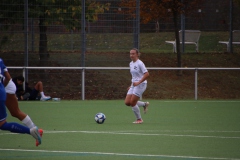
{"x": 11, "y": 126}
{"x": 139, "y": 84}
{"x": 12, "y": 105}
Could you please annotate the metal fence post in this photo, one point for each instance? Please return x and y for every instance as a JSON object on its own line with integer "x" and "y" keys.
{"x": 183, "y": 29}
{"x": 24, "y": 73}
{"x": 32, "y": 33}
{"x": 83, "y": 84}
{"x": 136, "y": 26}
{"x": 26, "y": 37}
{"x": 83, "y": 35}
{"x": 196, "y": 84}
{"x": 230, "y": 26}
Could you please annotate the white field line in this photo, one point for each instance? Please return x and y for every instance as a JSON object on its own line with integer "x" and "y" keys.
{"x": 170, "y": 101}
{"x": 114, "y": 154}
{"x": 137, "y": 134}
{"x": 210, "y": 101}
{"x": 43, "y": 102}
{"x": 143, "y": 134}
{"x": 194, "y": 131}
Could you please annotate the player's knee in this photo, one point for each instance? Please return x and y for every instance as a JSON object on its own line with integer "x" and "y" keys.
{"x": 127, "y": 103}
{"x": 132, "y": 104}
{"x": 38, "y": 85}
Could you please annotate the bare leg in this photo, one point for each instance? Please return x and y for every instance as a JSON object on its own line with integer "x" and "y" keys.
{"x": 39, "y": 86}
{"x": 128, "y": 99}
{"x": 12, "y": 105}
{"x": 131, "y": 100}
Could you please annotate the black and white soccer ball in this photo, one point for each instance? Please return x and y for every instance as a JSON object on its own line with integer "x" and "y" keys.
{"x": 100, "y": 118}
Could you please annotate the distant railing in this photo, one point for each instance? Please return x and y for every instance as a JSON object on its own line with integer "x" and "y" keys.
{"x": 125, "y": 68}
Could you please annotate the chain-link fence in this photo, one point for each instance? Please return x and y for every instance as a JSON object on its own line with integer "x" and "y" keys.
{"x": 46, "y": 29}
{"x": 210, "y": 16}
{"x": 63, "y": 33}
{"x": 54, "y": 29}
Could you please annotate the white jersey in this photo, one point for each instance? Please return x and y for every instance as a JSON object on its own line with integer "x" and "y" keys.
{"x": 137, "y": 69}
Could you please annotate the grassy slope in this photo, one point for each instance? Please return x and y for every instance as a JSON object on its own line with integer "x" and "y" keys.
{"x": 112, "y": 50}
{"x": 149, "y": 42}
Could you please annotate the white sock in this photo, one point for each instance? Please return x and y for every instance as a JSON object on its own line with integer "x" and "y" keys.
{"x": 140, "y": 103}
{"x": 42, "y": 94}
{"x": 136, "y": 111}
{"x": 28, "y": 122}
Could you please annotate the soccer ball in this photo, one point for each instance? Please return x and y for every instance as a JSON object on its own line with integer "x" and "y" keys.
{"x": 100, "y": 118}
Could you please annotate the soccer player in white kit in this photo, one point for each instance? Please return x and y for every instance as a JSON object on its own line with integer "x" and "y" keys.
{"x": 139, "y": 84}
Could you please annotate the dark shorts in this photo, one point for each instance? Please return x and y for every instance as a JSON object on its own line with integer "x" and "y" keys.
{"x": 33, "y": 94}
{"x": 3, "y": 112}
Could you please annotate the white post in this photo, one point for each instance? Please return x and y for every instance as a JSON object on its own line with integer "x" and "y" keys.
{"x": 196, "y": 84}
{"x": 83, "y": 84}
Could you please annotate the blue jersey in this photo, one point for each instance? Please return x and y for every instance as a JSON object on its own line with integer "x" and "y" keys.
{"x": 3, "y": 69}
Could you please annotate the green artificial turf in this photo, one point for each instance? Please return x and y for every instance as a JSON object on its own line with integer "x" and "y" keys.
{"x": 171, "y": 130}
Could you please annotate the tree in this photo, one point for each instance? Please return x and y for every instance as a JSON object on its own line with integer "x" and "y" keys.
{"x": 154, "y": 10}
{"x": 178, "y": 7}
{"x": 66, "y": 12}
{"x": 237, "y": 2}
{"x": 150, "y": 10}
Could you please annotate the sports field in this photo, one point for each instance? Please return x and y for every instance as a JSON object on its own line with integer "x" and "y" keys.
{"x": 171, "y": 130}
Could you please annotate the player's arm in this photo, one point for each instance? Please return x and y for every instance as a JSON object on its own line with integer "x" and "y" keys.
{"x": 145, "y": 76}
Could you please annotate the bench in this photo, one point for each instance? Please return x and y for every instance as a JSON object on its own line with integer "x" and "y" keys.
{"x": 191, "y": 37}
{"x": 235, "y": 39}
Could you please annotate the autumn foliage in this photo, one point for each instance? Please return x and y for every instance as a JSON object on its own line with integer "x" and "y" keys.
{"x": 157, "y": 10}
{"x": 150, "y": 10}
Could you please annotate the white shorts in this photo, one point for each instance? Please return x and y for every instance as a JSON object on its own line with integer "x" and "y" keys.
{"x": 10, "y": 88}
{"x": 137, "y": 90}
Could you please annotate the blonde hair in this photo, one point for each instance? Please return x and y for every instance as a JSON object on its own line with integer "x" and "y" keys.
{"x": 137, "y": 51}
